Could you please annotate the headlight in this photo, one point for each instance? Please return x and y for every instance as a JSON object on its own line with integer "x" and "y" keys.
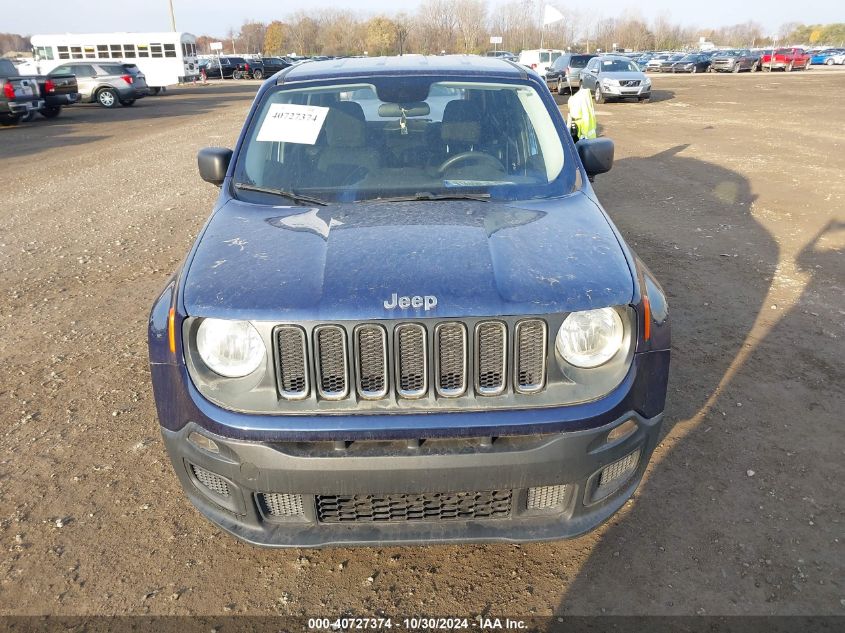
{"x": 230, "y": 348}
{"x": 590, "y": 338}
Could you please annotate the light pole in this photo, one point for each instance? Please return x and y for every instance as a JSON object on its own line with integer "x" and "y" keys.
{"x": 172, "y": 16}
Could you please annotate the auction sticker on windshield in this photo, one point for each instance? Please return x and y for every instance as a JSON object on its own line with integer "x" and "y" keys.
{"x": 292, "y": 123}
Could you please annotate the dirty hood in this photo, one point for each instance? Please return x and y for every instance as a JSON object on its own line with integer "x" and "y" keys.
{"x": 355, "y": 261}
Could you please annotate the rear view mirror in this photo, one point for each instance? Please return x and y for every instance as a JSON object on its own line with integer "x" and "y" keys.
{"x": 596, "y": 155}
{"x": 213, "y": 163}
{"x": 419, "y": 108}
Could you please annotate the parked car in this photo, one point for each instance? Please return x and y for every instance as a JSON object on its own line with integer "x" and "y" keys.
{"x": 56, "y": 91}
{"x": 329, "y": 373}
{"x": 693, "y": 63}
{"x": 786, "y": 59}
{"x": 828, "y": 57}
{"x": 665, "y": 65}
{"x": 18, "y": 95}
{"x": 222, "y": 67}
{"x": 105, "y": 83}
{"x": 272, "y": 65}
{"x": 539, "y": 59}
{"x": 253, "y": 68}
{"x": 654, "y": 62}
{"x": 565, "y": 72}
{"x": 734, "y": 61}
{"x": 614, "y": 77}
{"x": 502, "y": 55}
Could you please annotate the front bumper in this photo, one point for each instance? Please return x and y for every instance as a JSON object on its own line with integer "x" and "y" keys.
{"x": 625, "y": 92}
{"x": 309, "y": 471}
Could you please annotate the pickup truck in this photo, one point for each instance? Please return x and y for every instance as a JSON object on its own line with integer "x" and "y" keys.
{"x": 18, "y": 95}
{"x": 787, "y": 59}
{"x": 408, "y": 324}
{"x": 55, "y": 91}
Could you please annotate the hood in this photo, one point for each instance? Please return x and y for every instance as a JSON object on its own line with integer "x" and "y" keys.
{"x": 355, "y": 261}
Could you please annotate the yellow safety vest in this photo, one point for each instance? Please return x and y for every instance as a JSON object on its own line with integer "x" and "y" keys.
{"x": 581, "y": 113}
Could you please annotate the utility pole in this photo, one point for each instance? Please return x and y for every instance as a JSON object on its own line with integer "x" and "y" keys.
{"x": 172, "y": 16}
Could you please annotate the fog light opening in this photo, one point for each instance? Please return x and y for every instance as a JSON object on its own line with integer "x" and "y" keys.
{"x": 623, "y": 430}
{"x": 616, "y": 474}
{"x": 205, "y": 443}
{"x": 212, "y": 482}
{"x": 278, "y": 504}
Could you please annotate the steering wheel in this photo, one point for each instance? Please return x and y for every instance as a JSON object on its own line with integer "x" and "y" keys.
{"x": 478, "y": 157}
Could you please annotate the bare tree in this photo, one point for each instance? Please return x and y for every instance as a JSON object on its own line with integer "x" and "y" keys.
{"x": 470, "y": 18}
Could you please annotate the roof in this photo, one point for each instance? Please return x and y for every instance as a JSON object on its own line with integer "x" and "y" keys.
{"x": 441, "y": 65}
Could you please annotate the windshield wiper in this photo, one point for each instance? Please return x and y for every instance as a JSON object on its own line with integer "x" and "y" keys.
{"x": 290, "y": 195}
{"x": 426, "y": 196}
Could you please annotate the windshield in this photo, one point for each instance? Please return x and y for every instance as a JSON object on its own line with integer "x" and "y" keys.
{"x": 690, "y": 58}
{"x": 618, "y": 66}
{"x": 402, "y": 137}
{"x": 579, "y": 61}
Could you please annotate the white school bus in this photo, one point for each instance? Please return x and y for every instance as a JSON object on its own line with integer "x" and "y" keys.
{"x": 165, "y": 58}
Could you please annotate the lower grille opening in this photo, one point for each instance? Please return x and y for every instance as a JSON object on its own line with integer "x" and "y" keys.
{"x": 215, "y": 483}
{"x": 277, "y": 504}
{"x": 429, "y": 506}
{"x": 544, "y": 497}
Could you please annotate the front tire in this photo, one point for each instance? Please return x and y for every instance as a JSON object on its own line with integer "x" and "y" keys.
{"x": 257, "y": 74}
{"x": 27, "y": 117}
{"x": 789, "y": 67}
{"x": 694, "y": 69}
{"x": 155, "y": 91}
{"x": 107, "y": 98}
{"x": 236, "y": 74}
{"x": 829, "y": 61}
{"x": 755, "y": 67}
{"x": 599, "y": 95}
{"x": 559, "y": 86}
{"x": 736, "y": 68}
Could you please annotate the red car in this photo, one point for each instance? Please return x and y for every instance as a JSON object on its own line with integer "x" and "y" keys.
{"x": 787, "y": 59}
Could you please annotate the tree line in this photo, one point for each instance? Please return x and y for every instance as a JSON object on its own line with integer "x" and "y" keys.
{"x": 465, "y": 26}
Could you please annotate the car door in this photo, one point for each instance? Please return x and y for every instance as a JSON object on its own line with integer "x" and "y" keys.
{"x": 86, "y": 78}
{"x": 588, "y": 75}
{"x": 556, "y": 69}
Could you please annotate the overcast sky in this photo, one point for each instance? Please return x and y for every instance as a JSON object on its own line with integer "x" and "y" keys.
{"x": 216, "y": 17}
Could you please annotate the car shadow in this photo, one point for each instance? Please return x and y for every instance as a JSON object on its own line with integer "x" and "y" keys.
{"x": 712, "y": 530}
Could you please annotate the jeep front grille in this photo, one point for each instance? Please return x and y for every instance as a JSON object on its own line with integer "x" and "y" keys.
{"x": 411, "y": 365}
{"x": 293, "y": 367}
{"x": 530, "y": 359}
{"x": 374, "y": 361}
{"x": 490, "y": 357}
{"x": 428, "y": 506}
{"x": 450, "y": 353}
{"x": 371, "y": 361}
{"x": 332, "y": 362}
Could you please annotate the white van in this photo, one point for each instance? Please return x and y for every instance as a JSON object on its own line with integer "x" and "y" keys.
{"x": 539, "y": 59}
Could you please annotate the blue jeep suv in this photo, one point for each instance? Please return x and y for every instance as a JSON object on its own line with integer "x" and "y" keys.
{"x": 408, "y": 318}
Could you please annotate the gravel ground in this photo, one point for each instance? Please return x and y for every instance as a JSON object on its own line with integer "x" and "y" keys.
{"x": 729, "y": 187}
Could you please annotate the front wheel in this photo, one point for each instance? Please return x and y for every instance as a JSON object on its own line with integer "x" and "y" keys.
{"x": 28, "y": 116}
{"x": 107, "y": 98}
{"x": 49, "y": 112}
{"x": 807, "y": 66}
{"x": 155, "y": 91}
{"x": 599, "y": 95}
{"x": 559, "y": 87}
{"x": 257, "y": 74}
{"x": 694, "y": 69}
{"x": 755, "y": 67}
{"x": 828, "y": 61}
{"x": 737, "y": 67}
{"x": 790, "y": 67}
{"x": 236, "y": 74}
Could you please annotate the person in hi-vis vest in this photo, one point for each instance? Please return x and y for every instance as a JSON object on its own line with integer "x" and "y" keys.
{"x": 582, "y": 114}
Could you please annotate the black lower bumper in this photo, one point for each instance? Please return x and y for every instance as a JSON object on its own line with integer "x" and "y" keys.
{"x": 312, "y": 471}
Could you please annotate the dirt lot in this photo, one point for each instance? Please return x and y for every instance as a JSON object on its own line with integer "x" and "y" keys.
{"x": 729, "y": 187}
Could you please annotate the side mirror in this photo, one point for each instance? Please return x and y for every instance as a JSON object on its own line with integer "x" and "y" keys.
{"x": 213, "y": 162}
{"x": 596, "y": 155}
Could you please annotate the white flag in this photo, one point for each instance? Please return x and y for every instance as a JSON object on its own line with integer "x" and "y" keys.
{"x": 551, "y": 15}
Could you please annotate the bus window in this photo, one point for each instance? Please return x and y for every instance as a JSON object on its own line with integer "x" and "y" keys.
{"x": 170, "y": 50}
{"x": 63, "y": 52}
{"x": 155, "y": 50}
{"x": 129, "y": 50}
{"x": 116, "y": 52}
{"x": 143, "y": 50}
{"x": 76, "y": 52}
{"x": 89, "y": 52}
{"x": 44, "y": 52}
{"x": 102, "y": 51}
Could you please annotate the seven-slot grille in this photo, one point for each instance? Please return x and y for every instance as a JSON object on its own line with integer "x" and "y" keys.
{"x": 404, "y": 358}
{"x": 427, "y": 506}
{"x": 629, "y": 83}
